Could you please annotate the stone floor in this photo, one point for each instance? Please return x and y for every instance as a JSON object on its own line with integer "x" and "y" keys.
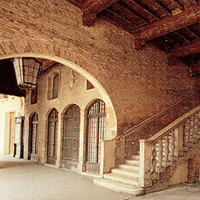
{"x": 24, "y": 180}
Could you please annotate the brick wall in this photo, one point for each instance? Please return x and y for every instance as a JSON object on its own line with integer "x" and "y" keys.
{"x": 139, "y": 83}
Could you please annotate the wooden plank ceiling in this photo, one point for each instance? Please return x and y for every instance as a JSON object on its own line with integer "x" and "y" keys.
{"x": 46, "y": 63}
{"x": 173, "y": 26}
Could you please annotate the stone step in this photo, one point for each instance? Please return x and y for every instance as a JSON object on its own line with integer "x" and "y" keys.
{"x": 129, "y": 167}
{"x": 122, "y": 179}
{"x": 118, "y": 187}
{"x": 135, "y": 157}
{"x": 132, "y": 162}
{"x": 128, "y": 173}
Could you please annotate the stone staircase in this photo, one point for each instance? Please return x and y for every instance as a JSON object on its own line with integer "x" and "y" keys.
{"x": 124, "y": 178}
{"x": 163, "y": 158}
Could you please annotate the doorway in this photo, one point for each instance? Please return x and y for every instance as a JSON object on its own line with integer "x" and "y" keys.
{"x": 52, "y": 137}
{"x": 71, "y": 129}
{"x": 11, "y": 133}
{"x": 33, "y": 135}
{"x": 96, "y": 129}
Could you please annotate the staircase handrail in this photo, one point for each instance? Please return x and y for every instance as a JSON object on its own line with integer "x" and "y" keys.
{"x": 130, "y": 131}
{"x": 173, "y": 125}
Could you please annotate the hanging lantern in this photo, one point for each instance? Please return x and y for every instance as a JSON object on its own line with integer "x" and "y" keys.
{"x": 26, "y": 70}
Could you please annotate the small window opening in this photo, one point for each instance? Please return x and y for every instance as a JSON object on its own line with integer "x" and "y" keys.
{"x": 55, "y": 87}
{"x": 89, "y": 85}
{"x": 34, "y": 95}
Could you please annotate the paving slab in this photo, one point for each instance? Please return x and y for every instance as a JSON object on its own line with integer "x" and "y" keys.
{"x": 25, "y": 180}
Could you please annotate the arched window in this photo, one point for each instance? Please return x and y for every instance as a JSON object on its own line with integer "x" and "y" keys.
{"x": 52, "y": 137}
{"x": 34, "y": 95}
{"x": 33, "y": 135}
{"x": 53, "y": 81}
{"x": 71, "y": 129}
{"x": 96, "y": 130}
{"x": 55, "y": 87}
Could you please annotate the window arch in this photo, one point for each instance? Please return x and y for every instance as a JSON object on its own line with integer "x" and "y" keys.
{"x": 96, "y": 129}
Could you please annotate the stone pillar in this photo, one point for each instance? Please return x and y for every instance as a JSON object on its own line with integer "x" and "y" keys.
{"x": 26, "y": 136}
{"x": 59, "y": 140}
{"x": 18, "y": 143}
{"x": 145, "y": 163}
{"x": 81, "y": 164}
{"x": 178, "y": 141}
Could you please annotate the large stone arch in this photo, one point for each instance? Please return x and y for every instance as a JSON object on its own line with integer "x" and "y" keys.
{"x": 43, "y": 49}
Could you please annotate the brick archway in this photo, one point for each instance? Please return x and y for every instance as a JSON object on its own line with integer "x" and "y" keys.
{"x": 44, "y": 49}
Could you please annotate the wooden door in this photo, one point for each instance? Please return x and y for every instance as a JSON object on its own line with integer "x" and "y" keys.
{"x": 71, "y": 128}
{"x": 52, "y": 137}
{"x": 12, "y": 132}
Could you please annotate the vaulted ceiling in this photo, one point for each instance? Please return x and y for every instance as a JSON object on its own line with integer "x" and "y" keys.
{"x": 173, "y": 26}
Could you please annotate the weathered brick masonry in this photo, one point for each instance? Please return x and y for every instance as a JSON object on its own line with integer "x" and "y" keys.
{"x": 139, "y": 83}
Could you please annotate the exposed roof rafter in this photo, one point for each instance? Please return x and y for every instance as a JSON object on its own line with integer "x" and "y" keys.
{"x": 187, "y": 50}
{"x": 173, "y": 26}
{"x": 168, "y": 24}
{"x": 92, "y": 8}
{"x": 115, "y": 19}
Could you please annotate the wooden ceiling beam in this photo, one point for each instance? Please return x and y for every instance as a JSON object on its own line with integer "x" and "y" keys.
{"x": 141, "y": 11}
{"x": 128, "y": 15}
{"x": 118, "y": 21}
{"x": 188, "y": 3}
{"x": 92, "y": 8}
{"x": 76, "y": 3}
{"x": 175, "y": 7}
{"x": 180, "y": 3}
{"x": 155, "y": 7}
{"x": 192, "y": 33}
{"x": 186, "y": 41}
{"x": 167, "y": 25}
{"x": 163, "y": 6}
{"x": 193, "y": 2}
{"x": 188, "y": 34}
{"x": 184, "y": 51}
{"x": 145, "y": 7}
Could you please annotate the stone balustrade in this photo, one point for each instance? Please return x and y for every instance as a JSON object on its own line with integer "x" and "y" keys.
{"x": 164, "y": 148}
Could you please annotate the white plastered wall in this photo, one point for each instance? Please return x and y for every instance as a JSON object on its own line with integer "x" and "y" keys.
{"x": 8, "y": 105}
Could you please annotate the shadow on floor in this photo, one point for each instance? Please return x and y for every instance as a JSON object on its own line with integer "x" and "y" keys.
{"x": 7, "y": 164}
{"x": 8, "y": 161}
